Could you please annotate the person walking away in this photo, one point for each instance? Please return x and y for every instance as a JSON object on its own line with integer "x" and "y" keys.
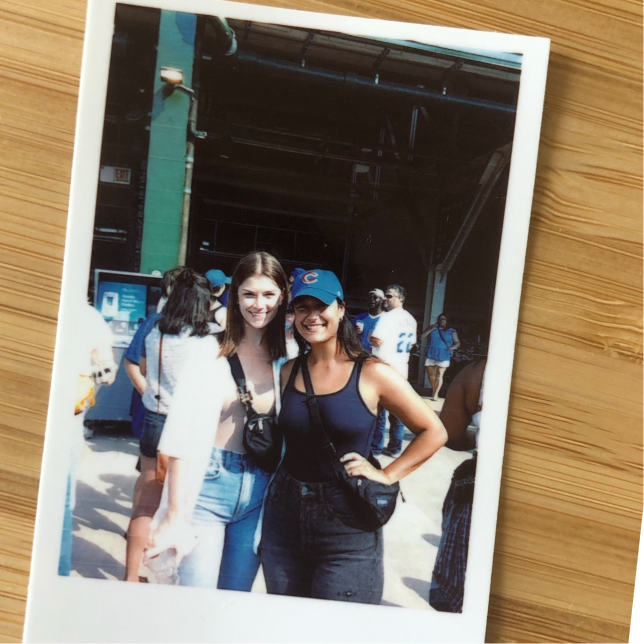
{"x": 316, "y": 542}
{"x": 184, "y": 321}
{"x": 443, "y": 341}
{"x": 132, "y": 357}
{"x": 94, "y": 360}
{"x": 366, "y": 322}
{"x": 463, "y": 407}
{"x": 214, "y": 488}
{"x": 393, "y": 338}
{"x": 219, "y": 281}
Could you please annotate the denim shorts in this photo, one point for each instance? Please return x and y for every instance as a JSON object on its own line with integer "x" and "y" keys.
{"x": 152, "y": 430}
{"x": 315, "y": 544}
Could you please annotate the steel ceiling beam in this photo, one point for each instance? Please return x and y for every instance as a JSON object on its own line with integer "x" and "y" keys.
{"x": 423, "y": 96}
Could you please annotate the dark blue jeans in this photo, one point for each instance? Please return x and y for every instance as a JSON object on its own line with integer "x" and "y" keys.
{"x": 314, "y": 545}
{"x": 396, "y": 433}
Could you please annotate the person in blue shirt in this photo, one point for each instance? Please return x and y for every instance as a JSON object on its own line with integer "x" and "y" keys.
{"x": 366, "y": 322}
{"x": 443, "y": 341}
{"x": 131, "y": 362}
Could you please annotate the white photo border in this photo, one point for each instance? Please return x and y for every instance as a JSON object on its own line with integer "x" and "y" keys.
{"x": 76, "y": 609}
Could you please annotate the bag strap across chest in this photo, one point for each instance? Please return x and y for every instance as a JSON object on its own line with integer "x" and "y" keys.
{"x": 321, "y": 437}
{"x": 237, "y": 371}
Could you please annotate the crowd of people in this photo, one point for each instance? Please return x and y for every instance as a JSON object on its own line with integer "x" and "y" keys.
{"x": 283, "y": 353}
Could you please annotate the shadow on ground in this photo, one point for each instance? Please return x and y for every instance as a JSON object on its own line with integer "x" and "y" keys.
{"x": 419, "y": 586}
{"x": 432, "y": 539}
{"x": 90, "y": 561}
{"x": 92, "y": 506}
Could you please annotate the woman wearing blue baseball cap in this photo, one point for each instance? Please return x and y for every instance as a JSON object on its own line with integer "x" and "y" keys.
{"x": 316, "y": 542}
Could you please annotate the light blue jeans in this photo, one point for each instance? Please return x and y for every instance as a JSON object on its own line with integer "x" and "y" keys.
{"x": 226, "y": 518}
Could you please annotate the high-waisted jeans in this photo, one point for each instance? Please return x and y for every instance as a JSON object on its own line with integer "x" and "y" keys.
{"x": 226, "y": 517}
{"x": 313, "y": 545}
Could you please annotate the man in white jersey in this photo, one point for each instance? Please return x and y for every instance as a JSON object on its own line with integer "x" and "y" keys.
{"x": 392, "y": 340}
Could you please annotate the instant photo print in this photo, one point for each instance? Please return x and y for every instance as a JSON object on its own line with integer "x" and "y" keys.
{"x": 381, "y": 174}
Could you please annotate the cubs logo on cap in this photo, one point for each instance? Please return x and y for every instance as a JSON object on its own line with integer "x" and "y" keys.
{"x": 310, "y": 278}
{"x": 323, "y": 285}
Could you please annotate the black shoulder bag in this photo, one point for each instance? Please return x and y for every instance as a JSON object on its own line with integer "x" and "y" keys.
{"x": 262, "y": 439}
{"x": 376, "y": 501}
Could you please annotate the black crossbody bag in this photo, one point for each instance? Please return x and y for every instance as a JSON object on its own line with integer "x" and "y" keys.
{"x": 262, "y": 439}
{"x": 376, "y": 501}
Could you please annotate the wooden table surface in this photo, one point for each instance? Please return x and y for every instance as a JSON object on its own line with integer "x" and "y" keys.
{"x": 571, "y": 498}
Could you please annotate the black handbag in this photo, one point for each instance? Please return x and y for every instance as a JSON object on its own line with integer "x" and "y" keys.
{"x": 262, "y": 439}
{"x": 375, "y": 501}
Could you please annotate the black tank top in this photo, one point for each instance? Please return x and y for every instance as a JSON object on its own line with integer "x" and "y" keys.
{"x": 348, "y": 422}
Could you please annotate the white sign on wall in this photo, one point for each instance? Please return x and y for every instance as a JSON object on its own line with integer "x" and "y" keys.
{"x": 112, "y": 174}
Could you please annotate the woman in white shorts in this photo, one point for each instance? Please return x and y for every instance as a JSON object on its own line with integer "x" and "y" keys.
{"x": 443, "y": 341}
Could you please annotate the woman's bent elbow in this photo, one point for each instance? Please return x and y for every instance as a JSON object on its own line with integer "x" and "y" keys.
{"x": 439, "y": 434}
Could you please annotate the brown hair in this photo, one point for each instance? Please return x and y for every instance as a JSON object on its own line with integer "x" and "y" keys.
{"x": 188, "y": 304}
{"x": 169, "y": 279}
{"x": 256, "y": 263}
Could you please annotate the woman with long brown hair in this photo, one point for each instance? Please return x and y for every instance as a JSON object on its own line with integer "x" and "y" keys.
{"x": 214, "y": 488}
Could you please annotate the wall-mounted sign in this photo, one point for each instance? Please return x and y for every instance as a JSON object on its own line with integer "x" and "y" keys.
{"x": 112, "y": 174}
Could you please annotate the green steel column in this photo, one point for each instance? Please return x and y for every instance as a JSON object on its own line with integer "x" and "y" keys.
{"x": 167, "y": 154}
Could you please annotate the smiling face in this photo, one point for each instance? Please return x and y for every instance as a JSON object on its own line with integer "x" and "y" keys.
{"x": 259, "y": 299}
{"x": 315, "y": 321}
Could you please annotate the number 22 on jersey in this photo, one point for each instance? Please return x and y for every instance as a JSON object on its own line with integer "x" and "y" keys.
{"x": 404, "y": 343}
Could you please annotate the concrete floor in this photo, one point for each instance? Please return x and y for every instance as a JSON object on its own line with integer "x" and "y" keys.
{"x": 106, "y": 477}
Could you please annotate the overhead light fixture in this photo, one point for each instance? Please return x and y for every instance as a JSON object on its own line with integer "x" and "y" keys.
{"x": 171, "y": 75}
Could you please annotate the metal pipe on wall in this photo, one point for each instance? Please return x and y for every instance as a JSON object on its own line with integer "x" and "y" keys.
{"x": 421, "y": 95}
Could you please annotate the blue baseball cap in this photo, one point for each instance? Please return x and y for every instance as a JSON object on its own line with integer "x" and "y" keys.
{"x": 323, "y": 285}
{"x": 297, "y": 272}
{"x": 217, "y": 277}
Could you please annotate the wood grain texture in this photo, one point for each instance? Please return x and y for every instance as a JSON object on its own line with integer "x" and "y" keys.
{"x": 571, "y": 498}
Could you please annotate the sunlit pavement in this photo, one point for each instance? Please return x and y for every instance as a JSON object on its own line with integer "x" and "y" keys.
{"x": 106, "y": 475}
